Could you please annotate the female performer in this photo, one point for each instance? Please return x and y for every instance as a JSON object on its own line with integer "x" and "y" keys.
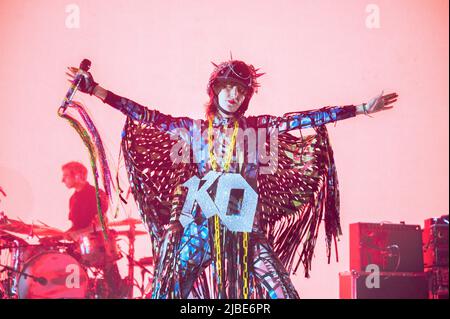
{"x": 233, "y": 203}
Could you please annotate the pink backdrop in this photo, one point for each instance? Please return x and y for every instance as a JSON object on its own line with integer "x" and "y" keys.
{"x": 393, "y": 167}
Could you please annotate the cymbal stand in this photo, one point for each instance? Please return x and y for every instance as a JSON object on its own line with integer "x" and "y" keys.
{"x": 95, "y": 283}
{"x": 144, "y": 271}
{"x": 131, "y": 262}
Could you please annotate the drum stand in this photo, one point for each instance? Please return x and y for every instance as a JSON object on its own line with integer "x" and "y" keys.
{"x": 132, "y": 263}
{"x": 6, "y": 285}
{"x": 130, "y": 255}
{"x": 97, "y": 285}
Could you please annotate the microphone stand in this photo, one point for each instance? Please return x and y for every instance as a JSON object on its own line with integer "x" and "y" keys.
{"x": 40, "y": 280}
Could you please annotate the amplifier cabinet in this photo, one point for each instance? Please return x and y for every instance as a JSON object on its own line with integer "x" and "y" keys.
{"x": 391, "y": 247}
{"x": 435, "y": 242}
{"x": 383, "y": 285}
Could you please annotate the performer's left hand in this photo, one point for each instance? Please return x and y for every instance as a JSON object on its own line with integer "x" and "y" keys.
{"x": 377, "y": 104}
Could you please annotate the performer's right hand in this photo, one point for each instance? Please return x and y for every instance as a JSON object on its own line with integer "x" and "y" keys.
{"x": 87, "y": 84}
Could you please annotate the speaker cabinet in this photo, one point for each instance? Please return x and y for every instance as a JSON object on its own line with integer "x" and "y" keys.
{"x": 391, "y": 247}
{"x": 388, "y": 285}
{"x": 435, "y": 242}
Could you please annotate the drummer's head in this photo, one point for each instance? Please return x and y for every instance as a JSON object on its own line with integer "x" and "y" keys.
{"x": 74, "y": 175}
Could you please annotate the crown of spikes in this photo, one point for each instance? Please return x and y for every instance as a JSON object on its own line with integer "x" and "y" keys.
{"x": 235, "y": 71}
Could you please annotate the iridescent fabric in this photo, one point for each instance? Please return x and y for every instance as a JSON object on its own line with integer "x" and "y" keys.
{"x": 293, "y": 201}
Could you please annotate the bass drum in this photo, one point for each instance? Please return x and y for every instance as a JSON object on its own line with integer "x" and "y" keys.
{"x": 53, "y": 275}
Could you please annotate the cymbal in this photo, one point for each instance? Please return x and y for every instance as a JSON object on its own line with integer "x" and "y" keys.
{"x": 125, "y": 222}
{"x": 45, "y": 231}
{"x": 15, "y": 226}
{"x": 20, "y": 227}
{"x": 127, "y": 232}
{"x": 10, "y": 236}
{"x": 76, "y": 234}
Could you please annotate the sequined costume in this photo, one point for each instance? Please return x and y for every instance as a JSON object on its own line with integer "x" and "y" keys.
{"x": 205, "y": 259}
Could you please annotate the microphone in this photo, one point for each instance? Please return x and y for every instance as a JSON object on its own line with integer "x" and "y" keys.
{"x": 85, "y": 66}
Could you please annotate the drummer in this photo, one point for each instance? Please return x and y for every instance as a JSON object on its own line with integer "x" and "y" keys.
{"x": 83, "y": 213}
{"x": 83, "y": 202}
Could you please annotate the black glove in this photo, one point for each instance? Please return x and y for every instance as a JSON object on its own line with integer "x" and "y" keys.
{"x": 87, "y": 84}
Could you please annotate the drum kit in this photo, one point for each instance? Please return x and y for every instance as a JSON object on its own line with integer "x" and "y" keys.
{"x": 71, "y": 264}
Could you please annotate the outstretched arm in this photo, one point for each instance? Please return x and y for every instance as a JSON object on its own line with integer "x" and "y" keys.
{"x": 318, "y": 117}
{"x": 306, "y": 119}
{"x": 128, "y": 107}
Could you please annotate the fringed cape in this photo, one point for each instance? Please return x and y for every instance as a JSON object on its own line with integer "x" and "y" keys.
{"x": 292, "y": 202}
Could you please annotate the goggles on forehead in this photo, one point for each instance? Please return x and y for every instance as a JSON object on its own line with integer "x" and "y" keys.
{"x": 234, "y": 72}
{"x": 239, "y": 69}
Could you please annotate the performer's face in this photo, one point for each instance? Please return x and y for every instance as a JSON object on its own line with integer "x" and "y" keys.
{"x": 231, "y": 96}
